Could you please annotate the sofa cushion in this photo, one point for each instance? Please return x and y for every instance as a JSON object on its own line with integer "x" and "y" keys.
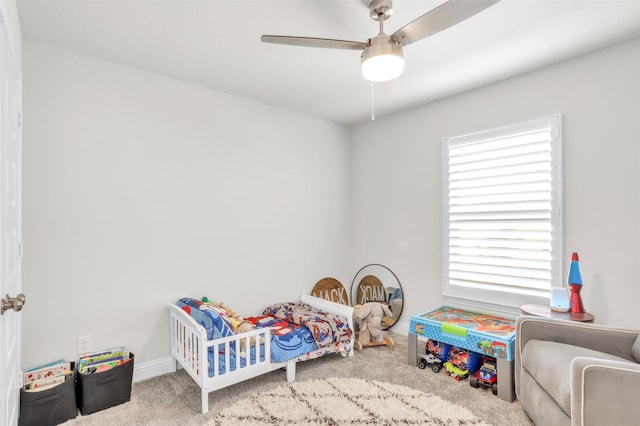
{"x": 549, "y": 363}
{"x": 635, "y": 349}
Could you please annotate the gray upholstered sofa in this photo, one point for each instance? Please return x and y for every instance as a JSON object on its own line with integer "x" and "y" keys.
{"x": 572, "y": 373}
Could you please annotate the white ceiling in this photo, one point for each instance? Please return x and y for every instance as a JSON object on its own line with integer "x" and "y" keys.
{"x": 216, "y": 44}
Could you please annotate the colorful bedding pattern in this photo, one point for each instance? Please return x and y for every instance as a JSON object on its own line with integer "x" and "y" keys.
{"x": 299, "y": 331}
{"x": 288, "y": 340}
{"x": 326, "y": 328}
{"x": 214, "y": 320}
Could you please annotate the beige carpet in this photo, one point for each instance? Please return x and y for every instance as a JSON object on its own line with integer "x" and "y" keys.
{"x": 339, "y": 401}
{"x": 174, "y": 399}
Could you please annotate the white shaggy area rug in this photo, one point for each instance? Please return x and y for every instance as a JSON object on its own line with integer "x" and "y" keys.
{"x": 340, "y": 401}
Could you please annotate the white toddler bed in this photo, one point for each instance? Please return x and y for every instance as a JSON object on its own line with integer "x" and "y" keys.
{"x": 191, "y": 348}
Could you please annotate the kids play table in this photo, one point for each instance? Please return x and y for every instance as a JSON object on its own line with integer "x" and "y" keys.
{"x": 486, "y": 334}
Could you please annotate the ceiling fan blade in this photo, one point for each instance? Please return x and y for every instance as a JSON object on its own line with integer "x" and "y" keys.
{"x": 314, "y": 42}
{"x": 440, "y": 18}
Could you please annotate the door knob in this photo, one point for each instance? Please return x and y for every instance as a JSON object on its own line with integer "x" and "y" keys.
{"x": 19, "y": 301}
{"x": 15, "y": 303}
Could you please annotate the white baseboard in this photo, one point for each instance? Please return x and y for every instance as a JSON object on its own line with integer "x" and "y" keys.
{"x": 154, "y": 368}
{"x": 400, "y": 328}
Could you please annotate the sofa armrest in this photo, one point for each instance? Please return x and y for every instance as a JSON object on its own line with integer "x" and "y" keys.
{"x": 602, "y": 338}
{"x": 607, "y": 339}
{"x": 594, "y": 381}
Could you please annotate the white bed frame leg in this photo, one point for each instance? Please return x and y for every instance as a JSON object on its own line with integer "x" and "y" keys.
{"x": 205, "y": 402}
{"x": 291, "y": 371}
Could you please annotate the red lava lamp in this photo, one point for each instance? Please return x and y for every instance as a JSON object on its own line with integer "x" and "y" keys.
{"x": 575, "y": 284}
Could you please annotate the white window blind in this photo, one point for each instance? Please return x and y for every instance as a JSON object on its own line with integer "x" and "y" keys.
{"x": 502, "y": 211}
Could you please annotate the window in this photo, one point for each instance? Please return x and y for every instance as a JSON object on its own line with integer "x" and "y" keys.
{"x": 503, "y": 225}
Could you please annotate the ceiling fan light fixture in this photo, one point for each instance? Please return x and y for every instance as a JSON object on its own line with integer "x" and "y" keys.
{"x": 381, "y": 56}
{"x": 382, "y": 60}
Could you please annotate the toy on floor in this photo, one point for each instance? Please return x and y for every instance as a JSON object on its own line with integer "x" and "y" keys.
{"x": 461, "y": 363}
{"x": 464, "y": 359}
{"x": 367, "y": 318}
{"x": 439, "y": 349}
{"x": 432, "y": 361}
{"x": 457, "y": 373}
{"x": 435, "y": 355}
{"x": 486, "y": 376}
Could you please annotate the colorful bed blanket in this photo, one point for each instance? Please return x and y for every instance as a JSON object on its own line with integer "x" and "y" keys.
{"x": 326, "y": 328}
{"x": 297, "y": 330}
{"x": 288, "y": 340}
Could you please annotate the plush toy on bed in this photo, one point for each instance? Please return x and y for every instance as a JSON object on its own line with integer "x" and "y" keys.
{"x": 238, "y": 323}
{"x": 367, "y": 318}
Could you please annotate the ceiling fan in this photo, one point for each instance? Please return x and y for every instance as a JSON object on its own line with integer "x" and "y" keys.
{"x": 382, "y": 57}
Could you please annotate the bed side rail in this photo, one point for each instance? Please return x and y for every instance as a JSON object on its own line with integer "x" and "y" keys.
{"x": 189, "y": 345}
{"x": 257, "y": 340}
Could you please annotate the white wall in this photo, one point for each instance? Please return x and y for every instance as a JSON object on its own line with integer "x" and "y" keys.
{"x": 397, "y": 177}
{"x": 139, "y": 190}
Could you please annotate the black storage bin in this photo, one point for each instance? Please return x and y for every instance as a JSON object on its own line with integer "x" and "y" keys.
{"x": 99, "y": 391}
{"x": 50, "y": 406}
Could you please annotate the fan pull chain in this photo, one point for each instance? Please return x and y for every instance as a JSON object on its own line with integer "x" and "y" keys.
{"x": 373, "y": 116}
